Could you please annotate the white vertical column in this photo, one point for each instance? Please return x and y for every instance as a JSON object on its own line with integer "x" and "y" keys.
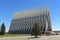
{"x": 46, "y": 25}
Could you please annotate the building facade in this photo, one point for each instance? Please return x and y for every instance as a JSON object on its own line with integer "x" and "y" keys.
{"x": 22, "y": 22}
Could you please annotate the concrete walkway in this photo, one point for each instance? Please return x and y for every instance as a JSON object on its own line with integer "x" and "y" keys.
{"x": 54, "y": 37}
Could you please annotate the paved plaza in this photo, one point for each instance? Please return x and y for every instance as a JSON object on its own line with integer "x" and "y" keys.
{"x": 53, "y": 37}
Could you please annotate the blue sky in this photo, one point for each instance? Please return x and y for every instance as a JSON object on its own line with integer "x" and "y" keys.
{"x": 8, "y": 7}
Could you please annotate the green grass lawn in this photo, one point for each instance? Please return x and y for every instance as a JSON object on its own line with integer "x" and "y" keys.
{"x": 13, "y": 35}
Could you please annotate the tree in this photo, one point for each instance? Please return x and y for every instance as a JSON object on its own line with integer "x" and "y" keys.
{"x": 36, "y": 30}
{"x": 2, "y": 29}
{"x": 49, "y": 28}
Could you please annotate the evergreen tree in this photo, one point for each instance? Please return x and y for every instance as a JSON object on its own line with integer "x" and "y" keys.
{"x": 2, "y": 29}
{"x": 36, "y": 30}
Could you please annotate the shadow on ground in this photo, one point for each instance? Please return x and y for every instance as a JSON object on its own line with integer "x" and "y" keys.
{"x": 32, "y": 38}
